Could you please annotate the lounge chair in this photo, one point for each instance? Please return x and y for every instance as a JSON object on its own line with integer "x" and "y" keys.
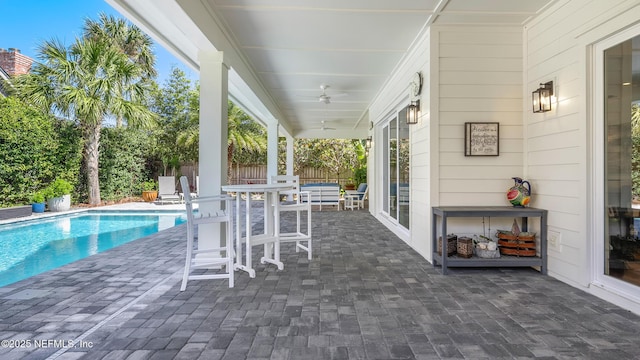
{"x": 355, "y": 199}
{"x": 167, "y": 189}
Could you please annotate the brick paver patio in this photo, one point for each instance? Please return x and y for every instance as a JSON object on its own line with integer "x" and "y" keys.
{"x": 365, "y": 295}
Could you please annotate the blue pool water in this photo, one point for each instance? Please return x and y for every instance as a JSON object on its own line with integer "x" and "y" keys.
{"x": 31, "y": 247}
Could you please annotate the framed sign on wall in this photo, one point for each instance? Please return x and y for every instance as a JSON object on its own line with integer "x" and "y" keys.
{"x": 481, "y": 139}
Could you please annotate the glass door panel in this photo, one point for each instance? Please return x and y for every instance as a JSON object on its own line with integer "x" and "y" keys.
{"x": 403, "y": 170}
{"x": 393, "y": 168}
{"x": 385, "y": 170}
{"x": 622, "y": 161}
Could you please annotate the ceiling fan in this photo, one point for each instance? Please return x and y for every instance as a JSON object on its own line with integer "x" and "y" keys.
{"x": 324, "y": 127}
{"x": 324, "y": 98}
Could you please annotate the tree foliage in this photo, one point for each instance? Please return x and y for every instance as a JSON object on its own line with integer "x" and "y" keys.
{"x": 334, "y": 155}
{"x": 337, "y": 155}
{"x": 123, "y": 160}
{"x": 121, "y": 36}
{"x": 87, "y": 82}
{"x": 177, "y": 106}
{"x": 246, "y": 138}
{"x": 125, "y": 37}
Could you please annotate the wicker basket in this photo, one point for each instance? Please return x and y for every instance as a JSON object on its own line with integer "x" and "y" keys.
{"x": 465, "y": 247}
{"x": 451, "y": 244}
{"x": 522, "y": 245}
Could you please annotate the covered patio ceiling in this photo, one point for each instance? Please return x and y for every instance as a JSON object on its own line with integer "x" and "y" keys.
{"x": 281, "y": 52}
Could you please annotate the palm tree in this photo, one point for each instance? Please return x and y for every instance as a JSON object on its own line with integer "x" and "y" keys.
{"x": 87, "y": 82}
{"x": 188, "y": 143}
{"x": 243, "y": 133}
{"x": 127, "y": 38}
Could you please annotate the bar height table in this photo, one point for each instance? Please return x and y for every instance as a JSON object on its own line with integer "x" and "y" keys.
{"x": 271, "y": 236}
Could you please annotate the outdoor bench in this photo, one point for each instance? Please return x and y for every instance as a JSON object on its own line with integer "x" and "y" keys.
{"x": 323, "y": 193}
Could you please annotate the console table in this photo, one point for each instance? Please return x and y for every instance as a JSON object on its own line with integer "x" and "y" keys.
{"x": 445, "y": 212}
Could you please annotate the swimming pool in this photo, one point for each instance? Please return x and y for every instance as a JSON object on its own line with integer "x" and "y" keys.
{"x": 32, "y": 247}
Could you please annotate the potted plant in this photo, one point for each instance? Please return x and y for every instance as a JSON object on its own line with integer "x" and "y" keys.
{"x": 37, "y": 202}
{"x": 350, "y": 185}
{"x": 59, "y": 195}
{"x": 150, "y": 190}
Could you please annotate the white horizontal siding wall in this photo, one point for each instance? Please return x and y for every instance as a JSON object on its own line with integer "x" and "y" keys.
{"x": 556, "y": 141}
{"x": 420, "y": 164}
{"x": 480, "y": 80}
{"x": 557, "y": 144}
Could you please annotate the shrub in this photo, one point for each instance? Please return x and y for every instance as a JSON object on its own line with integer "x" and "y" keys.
{"x": 69, "y": 154}
{"x": 27, "y": 149}
{"x": 38, "y": 197}
{"x": 149, "y": 185}
{"x": 58, "y": 188}
{"x": 35, "y": 148}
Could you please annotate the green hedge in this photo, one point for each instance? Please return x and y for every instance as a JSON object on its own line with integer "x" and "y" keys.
{"x": 123, "y": 162}
{"x": 35, "y": 149}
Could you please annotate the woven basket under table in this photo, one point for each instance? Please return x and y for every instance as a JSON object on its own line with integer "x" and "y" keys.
{"x": 451, "y": 244}
{"x": 465, "y": 247}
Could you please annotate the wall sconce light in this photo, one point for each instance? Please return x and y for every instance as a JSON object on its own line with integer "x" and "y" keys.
{"x": 413, "y": 112}
{"x": 541, "y": 98}
{"x": 367, "y": 143}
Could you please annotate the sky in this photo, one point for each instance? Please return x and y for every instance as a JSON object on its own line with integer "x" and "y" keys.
{"x": 25, "y": 24}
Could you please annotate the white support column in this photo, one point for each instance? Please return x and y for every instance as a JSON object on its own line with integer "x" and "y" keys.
{"x": 213, "y": 138}
{"x": 290, "y": 141}
{"x": 272, "y": 150}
